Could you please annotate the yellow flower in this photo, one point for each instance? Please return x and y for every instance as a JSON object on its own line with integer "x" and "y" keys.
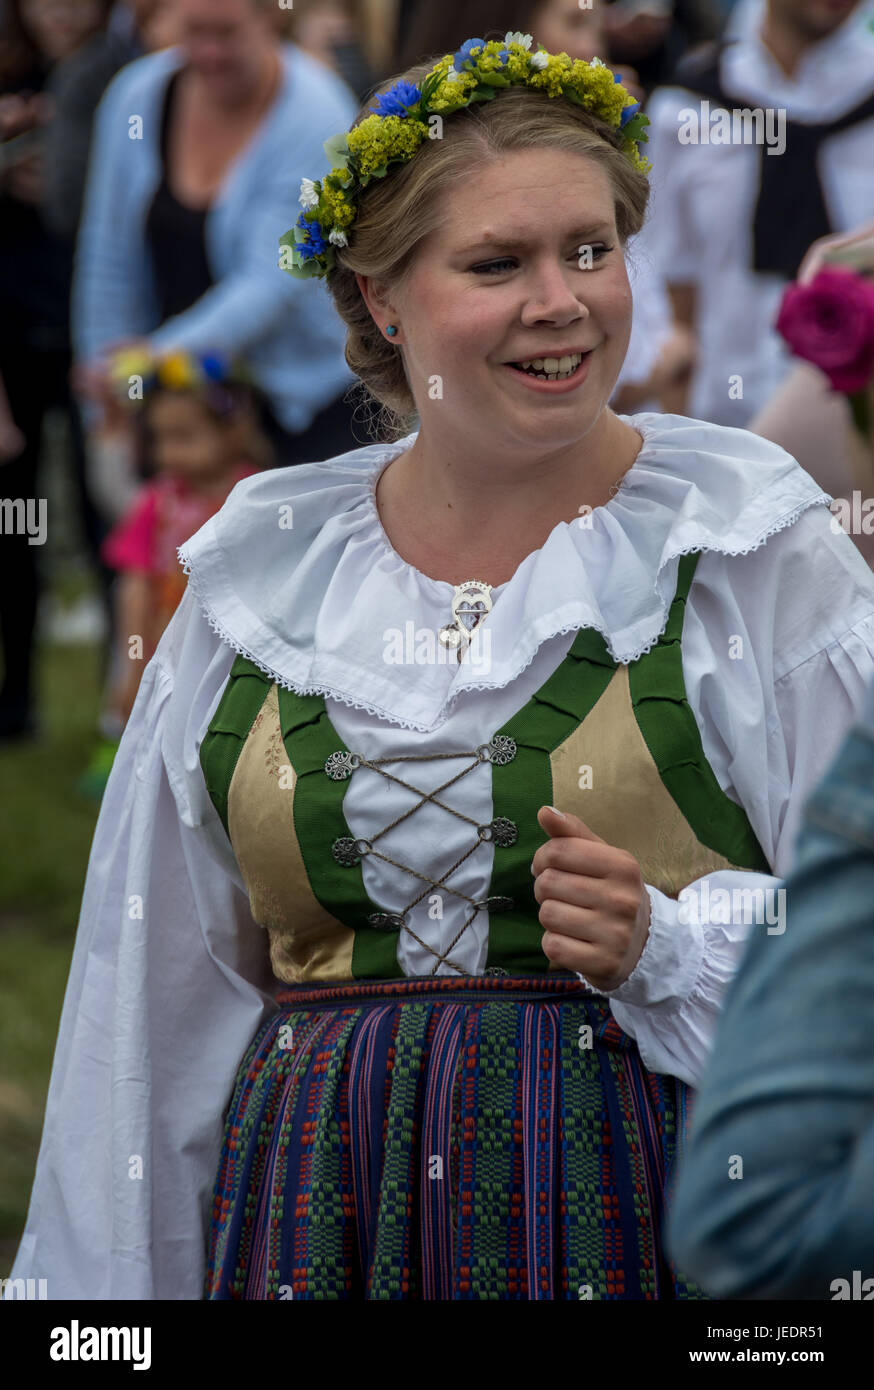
{"x": 516, "y": 67}
{"x": 176, "y": 371}
{"x": 600, "y": 92}
{"x": 381, "y": 138}
{"x": 552, "y": 77}
{"x": 129, "y": 362}
{"x": 639, "y": 161}
{"x": 487, "y": 59}
{"x": 449, "y": 94}
{"x": 364, "y": 129}
{"x": 334, "y": 209}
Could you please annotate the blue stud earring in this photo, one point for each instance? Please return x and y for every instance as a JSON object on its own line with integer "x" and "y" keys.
{"x": 390, "y": 330}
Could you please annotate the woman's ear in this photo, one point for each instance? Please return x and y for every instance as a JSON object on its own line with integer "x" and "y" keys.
{"x": 376, "y": 297}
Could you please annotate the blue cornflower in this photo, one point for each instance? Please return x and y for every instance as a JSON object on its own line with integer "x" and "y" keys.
{"x": 213, "y": 367}
{"x": 463, "y": 54}
{"x": 315, "y": 245}
{"x": 396, "y": 101}
{"x": 627, "y": 113}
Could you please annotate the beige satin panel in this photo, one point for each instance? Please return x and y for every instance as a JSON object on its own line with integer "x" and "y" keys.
{"x": 306, "y": 942}
{"x": 628, "y": 804}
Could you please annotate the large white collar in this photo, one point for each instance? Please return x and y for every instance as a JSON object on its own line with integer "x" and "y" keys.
{"x": 296, "y": 572}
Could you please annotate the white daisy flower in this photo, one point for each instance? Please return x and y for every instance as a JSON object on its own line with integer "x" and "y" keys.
{"x": 539, "y": 61}
{"x": 597, "y": 63}
{"x": 338, "y": 238}
{"x": 309, "y": 198}
{"x": 453, "y": 75}
{"x": 524, "y": 40}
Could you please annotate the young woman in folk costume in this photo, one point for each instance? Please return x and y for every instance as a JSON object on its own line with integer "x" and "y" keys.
{"x": 384, "y": 987}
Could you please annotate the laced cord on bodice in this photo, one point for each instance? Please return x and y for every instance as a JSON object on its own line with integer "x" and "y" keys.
{"x": 348, "y": 851}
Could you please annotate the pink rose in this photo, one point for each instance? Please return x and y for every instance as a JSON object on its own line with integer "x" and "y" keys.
{"x": 830, "y": 322}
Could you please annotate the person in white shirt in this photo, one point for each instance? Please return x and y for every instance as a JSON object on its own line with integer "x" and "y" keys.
{"x": 730, "y": 222}
{"x": 403, "y": 937}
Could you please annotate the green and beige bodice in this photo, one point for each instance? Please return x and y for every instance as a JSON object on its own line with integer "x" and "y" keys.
{"x": 277, "y": 773}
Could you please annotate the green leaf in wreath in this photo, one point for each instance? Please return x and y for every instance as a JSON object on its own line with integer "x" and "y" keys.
{"x": 337, "y": 150}
{"x": 429, "y": 86}
{"x": 635, "y": 129}
{"x": 307, "y": 270}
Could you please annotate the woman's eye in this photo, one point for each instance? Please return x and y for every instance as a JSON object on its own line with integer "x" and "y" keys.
{"x": 497, "y": 267}
{"x": 597, "y": 251}
{"x": 491, "y": 267}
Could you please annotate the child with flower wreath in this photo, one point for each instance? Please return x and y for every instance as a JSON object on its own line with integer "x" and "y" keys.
{"x": 197, "y": 438}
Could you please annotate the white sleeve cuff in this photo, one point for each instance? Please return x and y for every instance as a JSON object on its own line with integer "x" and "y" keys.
{"x": 670, "y": 961}
{"x": 671, "y": 1001}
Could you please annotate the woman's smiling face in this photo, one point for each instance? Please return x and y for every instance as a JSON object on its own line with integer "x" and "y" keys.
{"x": 526, "y": 263}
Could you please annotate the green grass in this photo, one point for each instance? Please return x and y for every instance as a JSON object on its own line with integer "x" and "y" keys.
{"x": 46, "y": 829}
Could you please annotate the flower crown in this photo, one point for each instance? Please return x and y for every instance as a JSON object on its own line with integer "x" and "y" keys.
{"x": 174, "y": 371}
{"x": 407, "y": 115}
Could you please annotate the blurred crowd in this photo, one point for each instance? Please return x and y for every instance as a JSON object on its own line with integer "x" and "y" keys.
{"x": 151, "y": 154}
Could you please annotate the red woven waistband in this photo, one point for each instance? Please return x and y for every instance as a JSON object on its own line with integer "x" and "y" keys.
{"x": 355, "y": 991}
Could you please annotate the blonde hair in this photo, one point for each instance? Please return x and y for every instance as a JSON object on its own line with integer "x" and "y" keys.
{"x": 397, "y": 212}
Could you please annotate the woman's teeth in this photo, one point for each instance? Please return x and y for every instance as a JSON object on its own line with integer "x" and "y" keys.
{"x": 551, "y": 368}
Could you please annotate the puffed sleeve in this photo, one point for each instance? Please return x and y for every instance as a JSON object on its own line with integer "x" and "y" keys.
{"x": 169, "y": 981}
{"x": 803, "y": 609}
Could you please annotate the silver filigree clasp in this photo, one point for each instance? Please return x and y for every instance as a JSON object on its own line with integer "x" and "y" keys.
{"x": 471, "y": 602}
{"x": 347, "y": 851}
{"x": 500, "y": 751}
{"x": 341, "y": 765}
{"x": 501, "y": 830}
{"x": 387, "y": 921}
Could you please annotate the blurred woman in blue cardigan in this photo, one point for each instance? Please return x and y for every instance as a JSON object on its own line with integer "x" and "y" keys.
{"x": 197, "y": 156}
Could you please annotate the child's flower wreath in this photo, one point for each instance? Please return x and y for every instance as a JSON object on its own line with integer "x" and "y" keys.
{"x": 135, "y": 372}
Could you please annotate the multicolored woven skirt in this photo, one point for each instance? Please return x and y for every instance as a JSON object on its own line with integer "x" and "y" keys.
{"x": 445, "y": 1138}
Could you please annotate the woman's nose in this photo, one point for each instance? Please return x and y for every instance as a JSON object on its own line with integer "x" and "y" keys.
{"x": 555, "y": 291}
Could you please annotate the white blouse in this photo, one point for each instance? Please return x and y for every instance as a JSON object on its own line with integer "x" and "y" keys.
{"x": 170, "y": 975}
